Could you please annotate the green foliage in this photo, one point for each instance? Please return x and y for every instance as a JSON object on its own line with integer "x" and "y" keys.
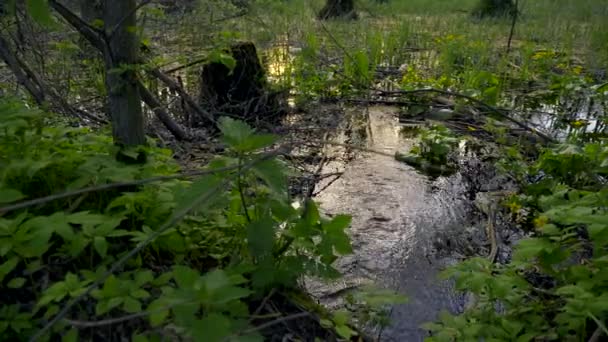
{"x": 555, "y": 286}
{"x": 244, "y": 238}
{"x": 40, "y": 11}
{"x": 436, "y": 145}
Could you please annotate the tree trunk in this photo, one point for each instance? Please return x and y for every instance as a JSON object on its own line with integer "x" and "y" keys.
{"x": 124, "y": 99}
{"x": 91, "y": 10}
{"x": 338, "y": 9}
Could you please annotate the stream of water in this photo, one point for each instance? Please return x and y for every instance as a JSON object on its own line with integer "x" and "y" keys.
{"x": 397, "y": 213}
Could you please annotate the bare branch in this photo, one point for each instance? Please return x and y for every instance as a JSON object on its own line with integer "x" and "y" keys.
{"x": 474, "y": 100}
{"x": 104, "y": 187}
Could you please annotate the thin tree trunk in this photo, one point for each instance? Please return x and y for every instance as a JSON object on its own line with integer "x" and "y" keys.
{"x": 91, "y": 10}
{"x": 11, "y": 60}
{"x": 95, "y": 39}
{"x": 124, "y": 99}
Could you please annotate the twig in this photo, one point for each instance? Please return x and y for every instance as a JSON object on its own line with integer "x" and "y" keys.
{"x": 474, "y": 100}
{"x": 259, "y": 309}
{"x": 187, "y": 65}
{"x": 337, "y": 175}
{"x": 110, "y": 321}
{"x": 103, "y": 187}
{"x": 601, "y": 328}
{"x": 239, "y": 182}
{"x": 271, "y": 323}
{"x": 515, "y": 15}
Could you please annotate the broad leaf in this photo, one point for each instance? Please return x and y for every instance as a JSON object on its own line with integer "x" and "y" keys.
{"x": 39, "y": 10}
{"x": 10, "y": 195}
{"x": 261, "y": 236}
{"x": 212, "y": 328}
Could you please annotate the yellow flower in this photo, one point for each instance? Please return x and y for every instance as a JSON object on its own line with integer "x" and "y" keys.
{"x": 514, "y": 207}
{"x": 577, "y": 70}
{"x": 578, "y": 123}
{"x": 541, "y": 221}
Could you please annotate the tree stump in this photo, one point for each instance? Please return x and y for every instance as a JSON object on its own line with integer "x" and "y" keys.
{"x": 241, "y": 93}
{"x": 494, "y": 8}
{"x": 338, "y": 9}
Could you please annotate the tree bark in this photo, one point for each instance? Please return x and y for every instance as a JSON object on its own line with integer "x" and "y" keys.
{"x": 91, "y": 10}
{"x": 124, "y": 99}
{"x": 162, "y": 114}
{"x": 99, "y": 43}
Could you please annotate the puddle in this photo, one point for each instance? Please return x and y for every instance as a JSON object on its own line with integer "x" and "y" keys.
{"x": 396, "y": 212}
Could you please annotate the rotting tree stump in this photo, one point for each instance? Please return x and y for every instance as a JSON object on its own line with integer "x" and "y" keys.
{"x": 495, "y": 8}
{"x": 338, "y": 9}
{"x": 241, "y": 93}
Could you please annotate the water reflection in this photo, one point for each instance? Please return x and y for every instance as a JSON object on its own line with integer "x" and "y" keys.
{"x": 396, "y": 212}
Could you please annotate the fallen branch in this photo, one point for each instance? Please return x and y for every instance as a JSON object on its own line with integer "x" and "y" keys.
{"x": 174, "y": 86}
{"x": 271, "y": 323}
{"x": 474, "y": 100}
{"x": 158, "y": 109}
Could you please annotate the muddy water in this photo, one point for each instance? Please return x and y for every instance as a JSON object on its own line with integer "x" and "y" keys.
{"x": 397, "y": 213}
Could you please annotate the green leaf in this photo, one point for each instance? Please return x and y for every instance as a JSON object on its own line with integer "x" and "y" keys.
{"x": 200, "y": 188}
{"x": 227, "y": 60}
{"x": 7, "y": 266}
{"x": 261, "y": 236}
{"x": 140, "y": 294}
{"x": 185, "y": 276}
{"x": 334, "y": 231}
{"x": 341, "y": 317}
{"x": 212, "y": 328}
{"x": 10, "y": 195}
{"x": 54, "y": 293}
{"x": 131, "y": 305}
{"x": 273, "y": 173}
{"x": 139, "y": 338}
{"x": 257, "y": 141}
{"x": 106, "y": 305}
{"x": 215, "y": 280}
{"x": 71, "y": 336}
{"x": 112, "y": 287}
{"x": 530, "y": 248}
{"x": 108, "y": 226}
{"x": 39, "y": 10}
{"x": 235, "y": 133}
{"x": 16, "y": 283}
{"x": 345, "y": 331}
{"x": 101, "y": 246}
{"x": 158, "y": 312}
{"x": 143, "y": 277}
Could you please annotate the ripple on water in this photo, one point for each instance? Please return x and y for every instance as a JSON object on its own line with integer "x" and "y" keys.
{"x": 396, "y": 212}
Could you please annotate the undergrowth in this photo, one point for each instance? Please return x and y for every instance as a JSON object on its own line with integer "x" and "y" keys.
{"x": 172, "y": 256}
{"x": 555, "y": 287}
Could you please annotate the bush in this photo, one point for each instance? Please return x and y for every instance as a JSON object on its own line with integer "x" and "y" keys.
{"x": 555, "y": 288}
{"x": 170, "y": 256}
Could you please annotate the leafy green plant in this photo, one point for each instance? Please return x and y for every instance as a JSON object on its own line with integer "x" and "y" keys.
{"x": 555, "y": 286}
{"x": 204, "y": 248}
